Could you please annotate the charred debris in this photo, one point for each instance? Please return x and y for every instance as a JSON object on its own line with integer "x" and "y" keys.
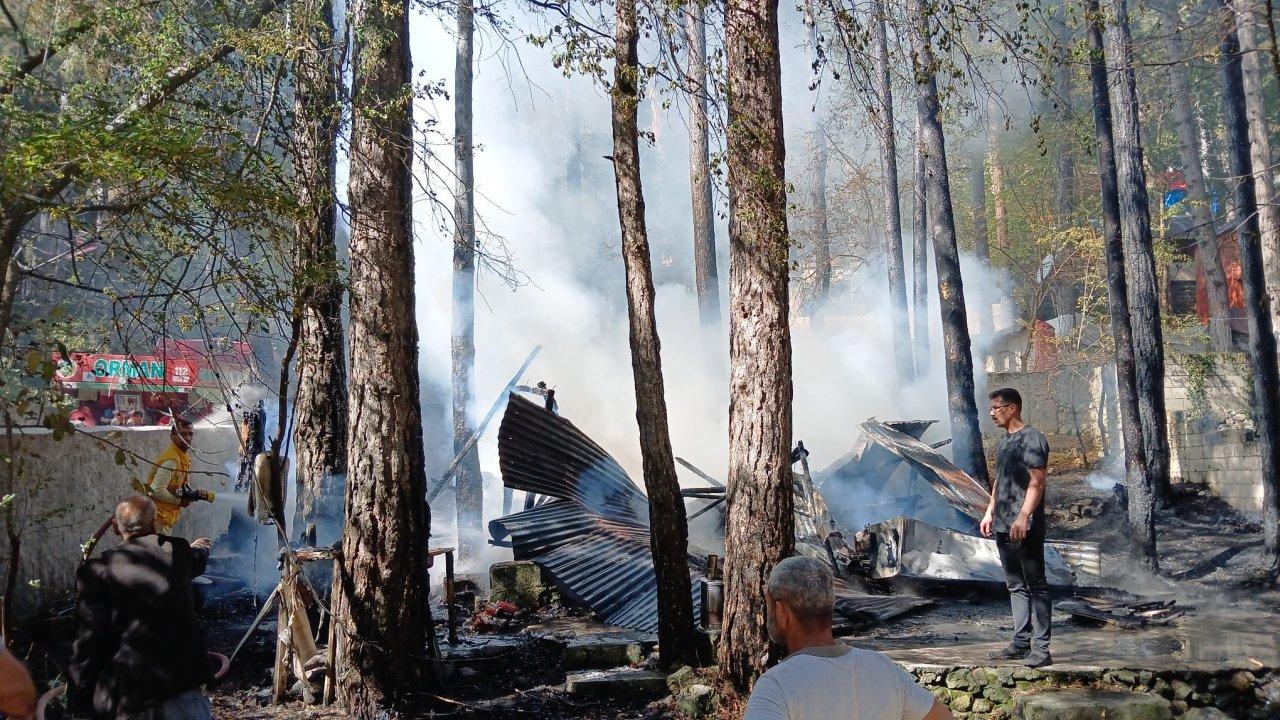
{"x": 894, "y": 518}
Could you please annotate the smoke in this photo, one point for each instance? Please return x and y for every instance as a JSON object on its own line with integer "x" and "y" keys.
{"x": 545, "y": 186}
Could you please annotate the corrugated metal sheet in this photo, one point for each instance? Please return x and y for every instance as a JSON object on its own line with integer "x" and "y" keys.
{"x": 891, "y": 474}
{"x": 594, "y": 537}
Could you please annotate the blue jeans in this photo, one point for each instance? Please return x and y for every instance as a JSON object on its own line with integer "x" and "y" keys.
{"x": 190, "y": 705}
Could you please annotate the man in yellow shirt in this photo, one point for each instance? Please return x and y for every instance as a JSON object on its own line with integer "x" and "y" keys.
{"x": 167, "y": 483}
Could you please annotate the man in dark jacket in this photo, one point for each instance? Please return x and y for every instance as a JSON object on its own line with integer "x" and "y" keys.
{"x": 139, "y": 654}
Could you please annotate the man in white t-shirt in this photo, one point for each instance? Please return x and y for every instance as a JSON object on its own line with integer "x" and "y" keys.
{"x": 821, "y": 679}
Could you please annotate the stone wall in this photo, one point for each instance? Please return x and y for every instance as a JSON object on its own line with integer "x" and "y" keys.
{"x": 1064, "y": 404}
{"x": 1211, "y": 431}
{"x": 66, "y": 488}
{"x": 976, "y": 692}
{"x": 1209, "y": 400}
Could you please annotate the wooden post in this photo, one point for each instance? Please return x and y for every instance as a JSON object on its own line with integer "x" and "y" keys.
{"x": 448, "y": 597}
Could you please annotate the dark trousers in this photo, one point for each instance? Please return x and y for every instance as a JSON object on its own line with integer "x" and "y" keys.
{"x": 1023, "y": 562}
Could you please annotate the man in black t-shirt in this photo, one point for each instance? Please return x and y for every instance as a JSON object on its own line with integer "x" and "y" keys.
{"x": 1016, "y": 518}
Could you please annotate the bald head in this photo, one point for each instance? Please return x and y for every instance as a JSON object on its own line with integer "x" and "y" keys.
{"x": 136, "y": 515}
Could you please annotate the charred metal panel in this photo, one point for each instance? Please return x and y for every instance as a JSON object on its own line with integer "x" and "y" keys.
{"x": 910, "y": 549}
{"x": 891, "y": 474}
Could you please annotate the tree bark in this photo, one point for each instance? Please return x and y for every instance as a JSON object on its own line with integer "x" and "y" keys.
{"x": 966, "y": 435}
{"x": 997, "y": 176}
{"x": 760, "y": 526}
{"x": 883, "y": 119}
{"x": 919, "y": 253}
{"x": 468, "y": 482}
{"x": 981, "y": 242}
{"x": 381, "y": 584}
{"x": 668, "y": 530}
{"x": 1247, "y": 14}
{"x": 1140, "y": 264}
{"x": 1262, "y": 340}
{"x": 705, "y": 275}
{"x": 1141, "y": 517}
{"x": 1206, "y": 233}
{"x": 1065, "y": 184}
{"x": 320, "y": 422}
{"x": 822, "y": 232}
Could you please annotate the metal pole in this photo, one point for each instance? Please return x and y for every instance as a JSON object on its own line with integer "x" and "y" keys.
{"x": 502, "y": 398}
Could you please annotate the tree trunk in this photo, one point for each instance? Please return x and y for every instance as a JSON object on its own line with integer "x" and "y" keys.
{"x": 320, "y": 422}
{"x": 822, "y": 232}
{"x": 468, "y": 483}
{"x": 381, "y": 583}
{"x": 919, "y": 253}
{"x": 981, "y": 243}
{"x": 883, "y": 119}
{"x": 1141, "y": 518}
{"x": 1247, "y": 14}
{"x": 1206, "y": 233}
{"x": 760, "y": 527}
{"x": 1262, "y": 340}
{"x": 706, "y": 278}
{"x": 1140, "y": 264}
{"x": 965, "y": 433}
{"x": 668, "y": 531}
{"x": 994, "y": 129}
{"x": 1065, "y": 184}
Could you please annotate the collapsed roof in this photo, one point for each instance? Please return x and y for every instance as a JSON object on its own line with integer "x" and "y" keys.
{"x": 592, "y": 535}
{"x": 891, "y": 473}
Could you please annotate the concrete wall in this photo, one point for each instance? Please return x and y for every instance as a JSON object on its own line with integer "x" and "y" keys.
{"x": 66, "y": 488}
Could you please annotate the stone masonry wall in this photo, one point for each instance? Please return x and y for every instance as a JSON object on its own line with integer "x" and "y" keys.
{"x": 973, "y": 692}
{"x": 66, "y": 488}
{"x": 1212, "y": 437}
{"x": 1063, "y": 404}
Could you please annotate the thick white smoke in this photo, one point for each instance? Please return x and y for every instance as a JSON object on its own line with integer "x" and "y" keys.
{"x": 535, "y": 134}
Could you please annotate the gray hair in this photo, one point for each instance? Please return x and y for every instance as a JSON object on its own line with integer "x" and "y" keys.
{"x": 806, "y": 586}
{"x": 136, "y": 515}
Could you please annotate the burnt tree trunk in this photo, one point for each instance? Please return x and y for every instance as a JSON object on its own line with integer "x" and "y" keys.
{"x": 1140, "y": 264}
{"x": 919, "y": 254}
{"x": 966, "y": 435}
{"x": 1141, "y": 518}
{"x": 1206, "y": 234}
{"x": 1262, "y": 340}
{"x": 468, "y": 483}
{"x": 882, "y": 116}
{"x": 1247, "y": 14}
{"x": 760, "y": 527}
{"x": 320, "y": 422}
{"x": 381, "y": 582}
{"x": 668, "y": 531}
{"x": 705, "y": 276}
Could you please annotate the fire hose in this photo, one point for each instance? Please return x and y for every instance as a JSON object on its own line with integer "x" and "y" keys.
{"x": 223, "y": 664}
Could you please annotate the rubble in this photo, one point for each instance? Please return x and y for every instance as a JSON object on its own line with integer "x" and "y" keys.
{"x": 1133, "y": 612}
{"x": 592, "y": 534}
{"x": 624, "y": 682}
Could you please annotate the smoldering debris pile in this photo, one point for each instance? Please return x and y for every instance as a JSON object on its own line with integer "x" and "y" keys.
{"x": 891, "y": 510}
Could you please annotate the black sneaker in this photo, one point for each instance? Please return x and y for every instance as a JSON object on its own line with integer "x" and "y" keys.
{"x": 1038, "y": 660}
{"x": 1008, "y": 652}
